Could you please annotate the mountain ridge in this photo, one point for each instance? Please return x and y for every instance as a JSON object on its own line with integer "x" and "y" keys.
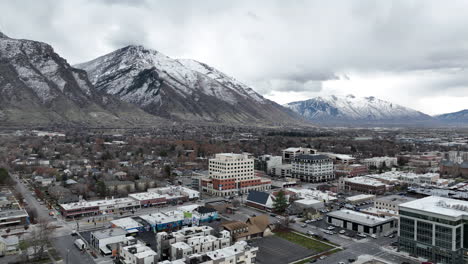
{"x": 38, "y": 87}
{"x": 351, "y": 109}
{"x": 181, "y": 89}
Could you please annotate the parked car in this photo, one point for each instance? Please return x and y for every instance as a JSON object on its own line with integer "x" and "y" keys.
{"x": 304, "y": 225}
{"x": 342, "y": 232}
{"x": 330, "y": 227}
{"x": 310, "y": 233}
{"x": 362, "y": 235}
{"x": 374, "y": 236}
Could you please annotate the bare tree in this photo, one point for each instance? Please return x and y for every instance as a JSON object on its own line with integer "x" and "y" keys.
{"x": 40, "y": 237}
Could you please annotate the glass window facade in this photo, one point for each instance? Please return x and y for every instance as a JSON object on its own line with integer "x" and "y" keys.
{"x": 406, "y": 228}
{"x": 424, "y": 232}
{"x": 443, "y": 237}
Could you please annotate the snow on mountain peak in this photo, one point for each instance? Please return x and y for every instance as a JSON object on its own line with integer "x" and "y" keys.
{"x": 185, "y": 76}
{"x": 352, "y": 108}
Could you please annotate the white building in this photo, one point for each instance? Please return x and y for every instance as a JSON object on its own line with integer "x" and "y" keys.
{"x": 267, "y": 162}
{"x": 379, "y": 162}
{"x": 231, "y": 174}
{"x": 391, "y": 202}
{"x": 137, "y": 254}
{"x": 312, "y": 168}
{"x": 290, "y": 153}
{"x": 240, "y": 252}
{"x": 434, "y": 228}
{"x": 107, "y": 240}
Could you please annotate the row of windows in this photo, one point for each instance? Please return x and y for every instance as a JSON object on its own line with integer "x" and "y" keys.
{"x": 431, "y": 218}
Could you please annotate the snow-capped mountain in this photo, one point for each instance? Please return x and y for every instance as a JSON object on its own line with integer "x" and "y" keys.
{"x": 351, "y": 109}
{"x": 37, "y": 86}
{"x": 180, "y": 89}
{"x": 460, "y": 117}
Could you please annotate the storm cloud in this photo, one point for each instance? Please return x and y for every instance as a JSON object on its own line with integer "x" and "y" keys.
{"x": 286, "y": 50}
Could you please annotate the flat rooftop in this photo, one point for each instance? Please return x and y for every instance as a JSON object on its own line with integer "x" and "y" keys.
{"x": 111, "y": 232}
{"x": 358, "y": 217}
{"x": 439, "y": 205}
{"x": 395, "y": 199}
{"x": 365, "y": 181}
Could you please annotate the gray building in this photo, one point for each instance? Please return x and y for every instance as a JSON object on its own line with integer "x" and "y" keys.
{"x": 435, "y": 228}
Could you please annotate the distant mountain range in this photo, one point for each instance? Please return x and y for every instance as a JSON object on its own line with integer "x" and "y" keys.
{"x": 342, "y": 110}
{"x": 460, "y": 117}
{"x": 135, "y": 86}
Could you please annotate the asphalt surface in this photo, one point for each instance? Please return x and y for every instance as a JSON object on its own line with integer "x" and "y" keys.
{"x": 65, "y": 246}
{"x": 275, "y": 250}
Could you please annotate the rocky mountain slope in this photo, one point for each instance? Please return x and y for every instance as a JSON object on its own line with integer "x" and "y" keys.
{"x": 38, "y": 87}
{"x": 184, "y": 90}
{"x": 353, "y": 110}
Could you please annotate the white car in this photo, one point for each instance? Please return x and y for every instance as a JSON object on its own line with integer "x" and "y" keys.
{"x": 361, "y": 235}
{"x": 310, "y": 233}
{"x": 342, "y": 232}
{"x": 330, "y": 227}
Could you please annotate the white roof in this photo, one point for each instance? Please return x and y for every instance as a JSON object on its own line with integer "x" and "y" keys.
{"x": 358, "y": 217}
{"x": 181, "y": 245}
{"x": 439, "y": 205}
{"x": 360, "y": 197}
{"x": 308, "y": 201}
{"x": 366, "y": 181}
{"x": 126, "y": 223}
{"x": 106, "y": 202}
{"x": 145, "y": 196}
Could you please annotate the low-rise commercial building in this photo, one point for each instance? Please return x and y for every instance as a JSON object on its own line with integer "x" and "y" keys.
{"x": 360, "y": 198}
{"x": 391, "y": 202}
{"x": 365, "y": 185}
{"x": 108, "y": 241}
{"x": 361, "y": 222}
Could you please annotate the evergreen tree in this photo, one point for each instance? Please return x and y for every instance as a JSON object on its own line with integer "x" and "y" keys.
{"x": 280, "y": 203}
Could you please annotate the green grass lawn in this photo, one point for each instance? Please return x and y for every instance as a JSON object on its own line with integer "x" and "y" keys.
{"x": 304, "y": 241}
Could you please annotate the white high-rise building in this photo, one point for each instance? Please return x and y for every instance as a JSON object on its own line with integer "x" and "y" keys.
{"x": 231, "y": 174}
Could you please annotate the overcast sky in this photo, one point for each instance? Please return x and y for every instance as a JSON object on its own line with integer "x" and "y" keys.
{"x": 414, "y": 53}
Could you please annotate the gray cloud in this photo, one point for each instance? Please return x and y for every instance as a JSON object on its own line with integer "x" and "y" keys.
{"x": 276, "y": 46}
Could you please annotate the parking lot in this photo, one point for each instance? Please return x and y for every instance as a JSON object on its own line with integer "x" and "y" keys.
{"x": 276, "y": 250}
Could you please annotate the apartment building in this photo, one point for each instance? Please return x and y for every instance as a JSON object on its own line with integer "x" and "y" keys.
{"x": 190, "y": 240}
{"x": 435, "y": 228}
{"x": 240, "y": 252}
{"x": 312, "y": 168}
{"x": 231, "y": 174}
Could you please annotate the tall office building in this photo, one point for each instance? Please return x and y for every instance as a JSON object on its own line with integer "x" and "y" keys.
{"x": 231, "y": 174}
{"x": 435, "y": 228}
